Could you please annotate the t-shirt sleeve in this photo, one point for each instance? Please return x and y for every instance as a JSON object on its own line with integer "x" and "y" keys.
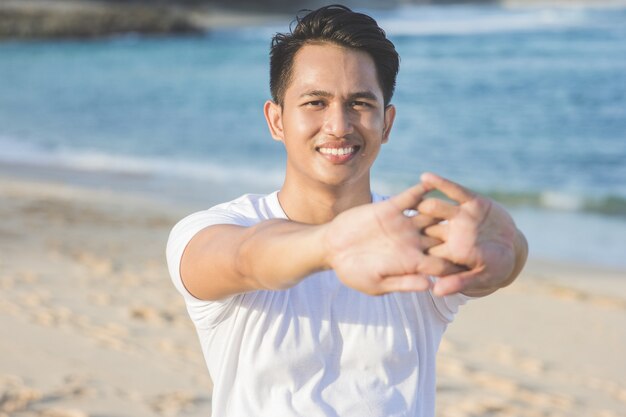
{"x": 448, "y": 305}
{"x": 180, "y": 236}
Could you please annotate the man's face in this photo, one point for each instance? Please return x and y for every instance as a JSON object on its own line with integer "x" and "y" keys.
{"x": 333, "y": 118}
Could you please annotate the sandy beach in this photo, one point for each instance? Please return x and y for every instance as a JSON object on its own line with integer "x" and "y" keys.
{"x": 91, "y": 325}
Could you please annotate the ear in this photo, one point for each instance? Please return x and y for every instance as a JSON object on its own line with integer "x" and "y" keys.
{"x": 390, "y": 115}
{"x": 274, "y": 118}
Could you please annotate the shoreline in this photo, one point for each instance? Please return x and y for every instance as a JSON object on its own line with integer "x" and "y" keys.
{"x": 97, "y": 327}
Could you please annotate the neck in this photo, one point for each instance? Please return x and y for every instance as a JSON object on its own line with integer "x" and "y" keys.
{"x": 320, "y": 204}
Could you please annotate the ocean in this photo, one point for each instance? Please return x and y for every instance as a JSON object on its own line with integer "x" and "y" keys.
{"x": 526, "y": 105}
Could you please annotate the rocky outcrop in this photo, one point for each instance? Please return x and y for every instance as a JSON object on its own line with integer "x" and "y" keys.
{"x": 84, "y": 19}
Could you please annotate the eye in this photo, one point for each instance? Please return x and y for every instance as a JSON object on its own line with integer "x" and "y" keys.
{"x": 360, "y": 104}
{"x": 314, "y": 103}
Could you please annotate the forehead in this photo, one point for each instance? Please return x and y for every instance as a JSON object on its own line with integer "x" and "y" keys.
{"x": 333, "y": 68}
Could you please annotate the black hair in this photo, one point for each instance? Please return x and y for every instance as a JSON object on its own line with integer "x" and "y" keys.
{"x": 339, "y": 25}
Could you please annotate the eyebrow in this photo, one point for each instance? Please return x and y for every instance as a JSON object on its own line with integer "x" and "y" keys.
{"x": 359, "y": 94}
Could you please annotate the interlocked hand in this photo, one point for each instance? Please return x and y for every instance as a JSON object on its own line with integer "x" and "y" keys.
{"x": 476, "y": 233}
{"x": 377, "y": 248}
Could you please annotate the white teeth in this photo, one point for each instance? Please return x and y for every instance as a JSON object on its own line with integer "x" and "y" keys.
{"x": 337, "y": 151}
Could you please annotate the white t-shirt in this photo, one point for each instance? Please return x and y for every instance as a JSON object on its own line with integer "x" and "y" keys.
{"x": 318, "y": 348}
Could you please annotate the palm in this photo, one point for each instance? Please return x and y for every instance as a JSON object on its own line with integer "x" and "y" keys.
{"x": 376, "y": 248}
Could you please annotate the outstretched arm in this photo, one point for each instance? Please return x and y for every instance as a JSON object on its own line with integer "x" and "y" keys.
{"x": 476, "y": 233}
{"x": 374, "y": 248}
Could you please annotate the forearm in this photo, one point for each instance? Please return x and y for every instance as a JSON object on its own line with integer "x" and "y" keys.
{"x": 224, "y": 260}
{"x": 278, "y": 254}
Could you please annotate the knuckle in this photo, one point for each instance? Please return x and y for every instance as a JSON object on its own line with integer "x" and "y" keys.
{"x": 427, "y": 205}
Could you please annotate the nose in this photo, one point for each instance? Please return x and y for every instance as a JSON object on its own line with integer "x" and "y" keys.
{"x": 337, "y": 121}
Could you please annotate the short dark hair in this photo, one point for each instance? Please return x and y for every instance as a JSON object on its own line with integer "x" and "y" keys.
{"x": 339, "y": 25}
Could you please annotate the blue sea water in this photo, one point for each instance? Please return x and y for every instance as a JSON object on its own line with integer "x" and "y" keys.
{"x": 527, "y": 105}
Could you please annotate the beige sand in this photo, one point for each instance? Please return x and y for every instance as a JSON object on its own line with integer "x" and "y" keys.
{"x": 91, "y": 325}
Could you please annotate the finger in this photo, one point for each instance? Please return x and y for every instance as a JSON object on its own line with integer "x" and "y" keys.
{"x": 440, "y": 251}
{"x": 455, "y": 283}
{"x": 434, "y": 207}
{"x": 409, "y": 198}
{"x": 438, "y": 231}
{"x": 429, "y": 242}
{"x": 421, "y": 222}
{"x": 405, "y": 283}
{"x": 436, "y": 266}
{"x": 451, "y": 189}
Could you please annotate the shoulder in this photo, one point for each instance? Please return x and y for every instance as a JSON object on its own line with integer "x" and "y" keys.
{"x": 253, "y": 207}
{"x": 244, "y": 211}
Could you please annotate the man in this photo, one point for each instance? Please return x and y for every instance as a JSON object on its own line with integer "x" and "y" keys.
{"x": 319, "y": 299}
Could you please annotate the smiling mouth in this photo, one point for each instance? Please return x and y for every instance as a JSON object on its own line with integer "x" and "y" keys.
{"x": 344, "y": 151}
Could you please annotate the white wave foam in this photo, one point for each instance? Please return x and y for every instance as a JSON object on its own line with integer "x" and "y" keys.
{"x": 562, "y": 201}
{"x": 465, "y": 20}
{"x": 24, "y": 153}
{"x": 20, "y": 152}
